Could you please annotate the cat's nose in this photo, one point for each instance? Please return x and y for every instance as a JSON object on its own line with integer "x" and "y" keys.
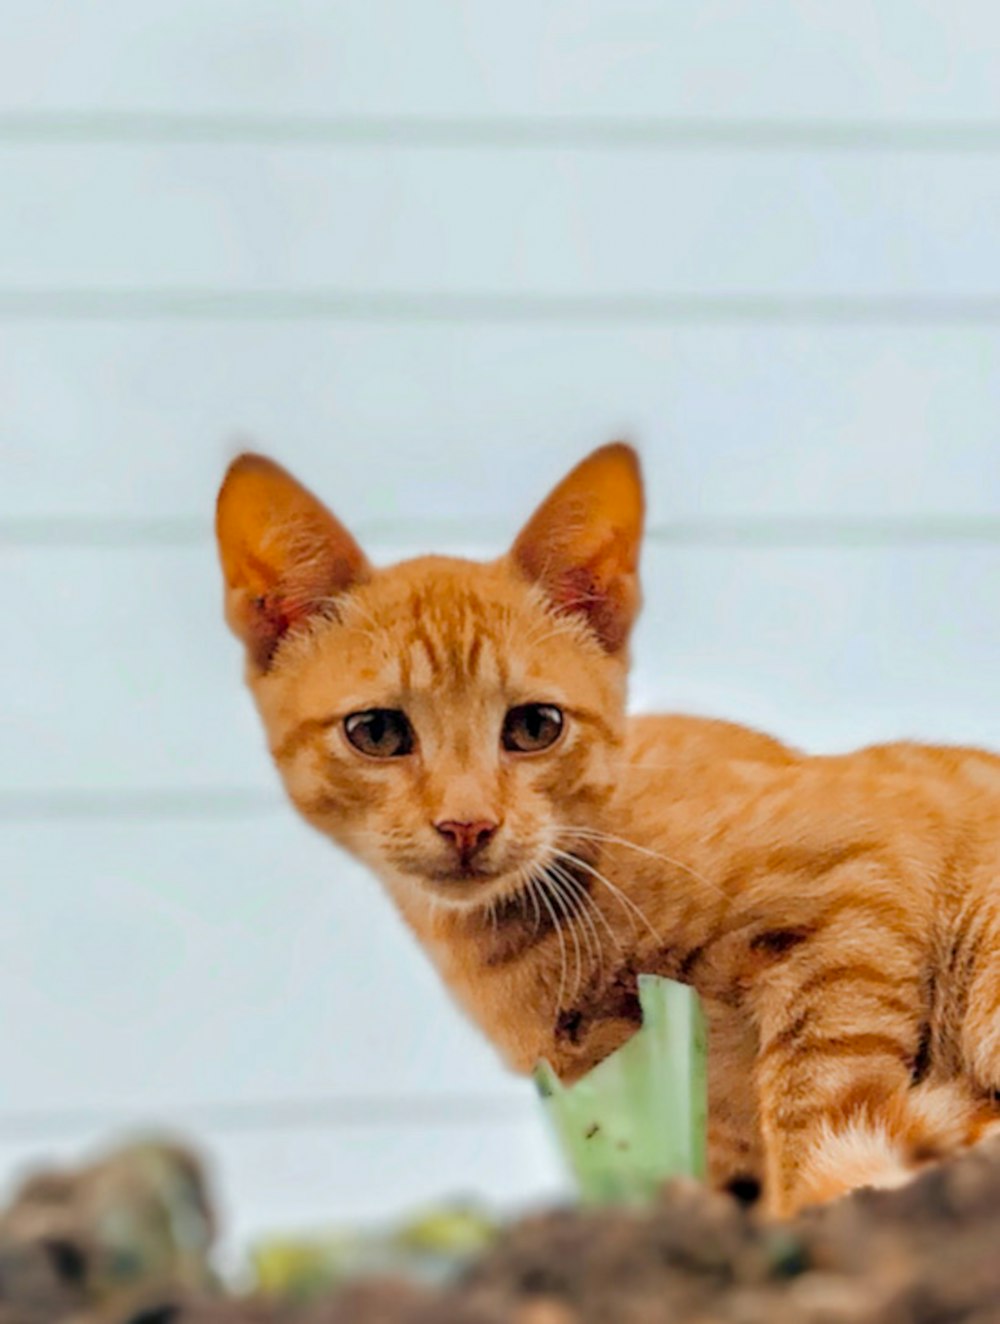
{"x": 467, "y": 838}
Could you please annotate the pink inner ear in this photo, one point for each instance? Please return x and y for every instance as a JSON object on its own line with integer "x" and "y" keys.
{"x": 575, "y": 589}
{"x": 268, "y": 617}
{"x": 265, "y": 626}
{"x": 607, "y": 606}
{"x": 597, "y": 583}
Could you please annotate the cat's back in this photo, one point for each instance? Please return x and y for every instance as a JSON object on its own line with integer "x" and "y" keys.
{"x": 962, "y": 774}
{"x": 701, "y": 742}
{"x": 926, "y": 801}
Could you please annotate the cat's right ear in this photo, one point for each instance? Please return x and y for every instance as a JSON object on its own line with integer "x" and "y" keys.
{"x": 285, "y": 557}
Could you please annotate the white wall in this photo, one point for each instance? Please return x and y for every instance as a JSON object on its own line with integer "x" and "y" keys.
{"x": 429, "y": 253}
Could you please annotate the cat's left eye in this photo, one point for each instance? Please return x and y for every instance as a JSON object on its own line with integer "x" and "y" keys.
{"x": 381, "y": 733}
{"x": 531, "y": 727}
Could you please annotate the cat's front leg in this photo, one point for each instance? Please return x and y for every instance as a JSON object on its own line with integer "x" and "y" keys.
{"x": 734, "y": 1152}
{"x": 840, "y": 1033}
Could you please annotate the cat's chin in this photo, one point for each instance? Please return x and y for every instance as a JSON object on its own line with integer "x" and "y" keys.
{"x": 466, "y": 892}
{"x": 477, "y": 896}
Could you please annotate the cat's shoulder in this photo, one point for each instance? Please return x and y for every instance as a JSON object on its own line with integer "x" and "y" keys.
{"x": 699, "y": 738}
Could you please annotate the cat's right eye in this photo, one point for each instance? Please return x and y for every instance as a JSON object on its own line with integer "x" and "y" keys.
{"x": 381, "y": 733}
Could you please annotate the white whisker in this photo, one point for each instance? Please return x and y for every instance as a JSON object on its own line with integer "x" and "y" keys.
{"x": 559, "y": 899}
{"x": 595, "y": 948}
{"x": 594, "y": 834}
{"x": 524, "y": 887}
{"x": 578, "y": 884}
{"x": 562, "y": 943}
{"x": 534, "y": 902}
{"x": 624, "y": 900}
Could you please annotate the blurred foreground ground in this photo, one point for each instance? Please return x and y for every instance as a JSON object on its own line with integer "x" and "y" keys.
{"x": 926, "y": 1254}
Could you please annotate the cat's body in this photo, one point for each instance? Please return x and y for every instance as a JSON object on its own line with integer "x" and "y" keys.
{"x": 461, "y": 728}
{"x": 838, "y": 916}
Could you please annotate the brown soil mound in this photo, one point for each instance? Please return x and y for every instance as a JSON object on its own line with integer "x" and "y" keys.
{"x": 926, "y": 1254}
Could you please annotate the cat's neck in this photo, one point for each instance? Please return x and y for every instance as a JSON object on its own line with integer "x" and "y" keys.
{"x": 552, "y": 971}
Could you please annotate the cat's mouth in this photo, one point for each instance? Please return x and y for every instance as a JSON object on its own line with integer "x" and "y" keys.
{"x": 482, "y": 884}
{"x": 463, "y": 875}
{"x": 467, "y": 890}
{"x": 456, "y": 884}
{"x": 473, "y": 885}
{"x": 567, "y": 884}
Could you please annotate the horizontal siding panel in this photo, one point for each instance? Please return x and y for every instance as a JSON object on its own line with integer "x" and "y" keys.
{"x": 126, "y": 680}
{"x": 456, "y": 58}
{"x": 308, "y": 1181}
{"x": 245, "y": 969}
{"x": 457, "y": 222}
{"x": 828, "y": 649}
{"x": 179, "y": 949}
{"x": 276, "y": 1183}
{"x": 420, "y": 424}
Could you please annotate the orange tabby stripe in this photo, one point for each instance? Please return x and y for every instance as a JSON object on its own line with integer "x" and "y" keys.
{"x": 304, "y": 733}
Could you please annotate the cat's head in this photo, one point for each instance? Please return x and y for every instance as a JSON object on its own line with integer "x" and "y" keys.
{"x": 453, "y": 723}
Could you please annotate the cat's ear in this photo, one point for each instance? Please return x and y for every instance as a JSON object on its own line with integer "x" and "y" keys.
{"x": 284, "y": 555}
{"x": 581, "y": 546}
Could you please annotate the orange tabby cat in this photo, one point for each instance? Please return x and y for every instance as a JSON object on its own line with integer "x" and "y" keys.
{"x": 461, "y": 728}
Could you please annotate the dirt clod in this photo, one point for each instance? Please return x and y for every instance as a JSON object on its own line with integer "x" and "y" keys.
{"x": 926, "y": 1254}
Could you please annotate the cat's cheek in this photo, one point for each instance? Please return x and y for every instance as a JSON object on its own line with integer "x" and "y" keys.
{"x": 581, "y": 774}
{"x": 333, "y": 797}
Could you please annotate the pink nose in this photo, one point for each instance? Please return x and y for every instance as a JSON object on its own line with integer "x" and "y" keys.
{"x": 467, "y": 838}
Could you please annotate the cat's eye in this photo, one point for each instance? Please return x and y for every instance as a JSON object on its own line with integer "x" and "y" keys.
{"x": 531, "y": 727}
{"x": 381, "y": 733}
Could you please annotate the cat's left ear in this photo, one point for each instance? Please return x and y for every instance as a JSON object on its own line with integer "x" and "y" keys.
{"x": 581, "y": 546}
{"x": 285, "y": 557}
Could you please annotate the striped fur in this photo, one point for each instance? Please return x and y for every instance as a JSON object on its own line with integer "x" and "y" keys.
{"x": 839, "y": 915}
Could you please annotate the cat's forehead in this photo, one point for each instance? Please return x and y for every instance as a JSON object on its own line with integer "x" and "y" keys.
{"x": 437, "y": 636}
{"x": 448, "y": 595}
{"x": 440, "y": 619}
